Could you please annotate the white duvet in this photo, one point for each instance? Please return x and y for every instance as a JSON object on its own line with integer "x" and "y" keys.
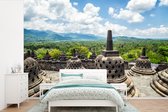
{"x": 83, "y": 93}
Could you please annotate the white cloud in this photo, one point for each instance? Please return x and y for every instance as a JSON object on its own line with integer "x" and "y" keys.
{"x": 117, "y": 29}
{"x": 163, "y": 2}
{"x": 61, "y": 16}
{"x": 90, "y": 9}
{"x": 52, "y": 9}
{"x": 29, "y": 12}
{"x": 75, "y": 3}
{"x": 90, "y": 15}
{"x": 130, "y": 16}
{"x": 161, "y": 26}
{"x": 152, "y": 15}
{"x": 61, "y": 10}
{"x": 141, "y": 5}
{"x": 149, "y": 25}
{"x": 152, "y": 32}
{"x": 111, "y": 11}
{"x": 132, "y": 12}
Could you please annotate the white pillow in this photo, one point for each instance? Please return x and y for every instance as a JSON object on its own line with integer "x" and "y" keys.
{"x": 65, "y": 76}
{"x": 91, "y": 76}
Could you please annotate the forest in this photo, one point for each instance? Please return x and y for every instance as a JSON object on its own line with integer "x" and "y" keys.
{"x": 129, "y": 48}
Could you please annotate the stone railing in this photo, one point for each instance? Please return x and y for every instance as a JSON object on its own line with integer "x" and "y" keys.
{"x": 55, "y": 65}
{"x": 162, "y": 67}
{"x": 52, "y": 65}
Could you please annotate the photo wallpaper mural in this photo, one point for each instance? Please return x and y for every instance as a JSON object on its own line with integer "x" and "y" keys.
{"x": 129, "y": 38}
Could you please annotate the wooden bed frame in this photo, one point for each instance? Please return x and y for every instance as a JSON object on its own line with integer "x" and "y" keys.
{"x": 100, "y": 74}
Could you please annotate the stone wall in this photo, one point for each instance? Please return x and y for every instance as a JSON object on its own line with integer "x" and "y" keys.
{"x": 162, "y": 67}
{"x": 55, "y": 65}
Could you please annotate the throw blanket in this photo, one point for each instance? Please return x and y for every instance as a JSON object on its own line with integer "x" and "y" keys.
{"x": 83, "y": 89}
{"x": 83, "y": 85}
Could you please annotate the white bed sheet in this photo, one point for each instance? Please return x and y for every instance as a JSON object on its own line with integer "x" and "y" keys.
{"x": 84, "y": 93}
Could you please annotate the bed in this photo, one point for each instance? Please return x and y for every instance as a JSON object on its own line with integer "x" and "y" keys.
{"x": 87, "y": 86}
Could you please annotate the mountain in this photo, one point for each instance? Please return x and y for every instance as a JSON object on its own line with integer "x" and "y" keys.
{"x": 82, "y": 37}
{"x": 36, "y": 36}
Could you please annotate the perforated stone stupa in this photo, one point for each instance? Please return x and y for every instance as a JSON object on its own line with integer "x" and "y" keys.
{"x": 35, "y": 75}
{"x": 63, "y": 57}
{"x": 110, "y": 60}
{"x": 142, "y": 66}
{"x": 74, "y": 62}
{"x": 160, "y": 83}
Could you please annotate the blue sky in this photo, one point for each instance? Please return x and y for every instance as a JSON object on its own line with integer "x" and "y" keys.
{"x": 138, "y": 18}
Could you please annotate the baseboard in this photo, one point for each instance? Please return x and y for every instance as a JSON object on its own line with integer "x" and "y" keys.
{"x": 2, "y": 107}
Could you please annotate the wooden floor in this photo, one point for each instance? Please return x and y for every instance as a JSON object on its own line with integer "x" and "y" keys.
{"x": 143, "y": 105}
{"x": 23, "y": 106}
{"x": 148, "y": 105}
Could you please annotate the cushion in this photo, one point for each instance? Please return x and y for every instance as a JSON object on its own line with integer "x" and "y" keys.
{"x": 65, "y": 76}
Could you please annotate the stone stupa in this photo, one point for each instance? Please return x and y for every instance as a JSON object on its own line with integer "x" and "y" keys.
{"x": 142, "y": 66}
{"x": 74, "y": 62}
{"x": 110, "y": 60}
{"x": 63, "y": 57}
{"x": 30, "y": 54}
{"x": 47, "y": 56}
{"x": 160, "y": 83}
{"x": 35, "y": 75}
{"x": 93, "y": 56}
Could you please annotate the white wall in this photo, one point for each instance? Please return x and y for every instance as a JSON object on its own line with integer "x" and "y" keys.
{"x": 2, "y": 94}
{"x": 11, "y": 40}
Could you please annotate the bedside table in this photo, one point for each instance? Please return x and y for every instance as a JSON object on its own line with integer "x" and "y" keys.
{"x": 16, "y": 88}
{"x": 46, "y": 86}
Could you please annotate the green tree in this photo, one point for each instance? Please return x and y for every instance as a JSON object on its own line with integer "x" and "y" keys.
{"x": 131, "y": 55}
{"x": 155, "y": 57}
{"x": 55, "y": 53}
{"x": 40, "y": 53}
{"x": 81, "y": 50}
{"x": 163, "y": 50}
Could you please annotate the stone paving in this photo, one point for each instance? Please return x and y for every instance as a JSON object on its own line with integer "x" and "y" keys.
{"x": 142, "y": 83}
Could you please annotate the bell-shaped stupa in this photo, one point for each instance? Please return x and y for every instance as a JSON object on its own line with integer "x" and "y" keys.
{"x": 110, "y": 60}
{"x": 160, "y": 83}
{"x": 142, "y": 66}
{"x": 47, "y": 56}
{"x": 93, "y": 56}
{"x": 63, "y": 57}
{"x": 74, "y": 62}
{"x": 35, "y": 75}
